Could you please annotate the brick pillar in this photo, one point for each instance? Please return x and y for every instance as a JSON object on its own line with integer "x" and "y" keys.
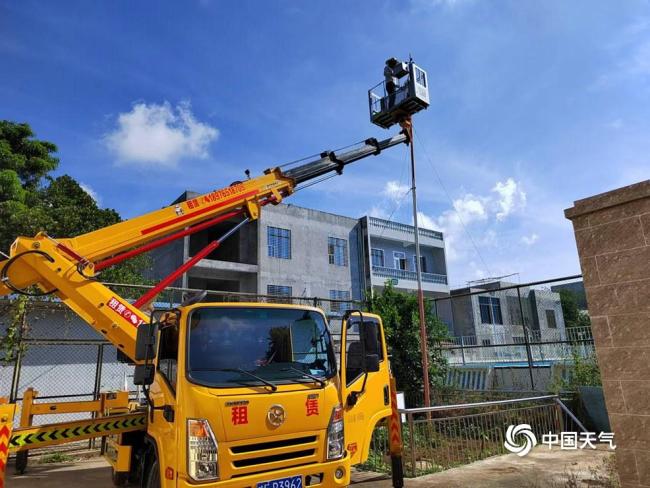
{"x": 613, "y": 236}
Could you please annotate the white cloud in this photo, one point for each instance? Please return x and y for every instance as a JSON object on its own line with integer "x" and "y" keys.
{"x": 530, "y": 240}
{"x": 426, "y": 222}
{"x": 511, "y": 197}
{"x": 466, "y": 210}
{"x": 378, "y": 211}
{"x": 476, "y": 215}
{"x": 395, "y": 190}
{"x": 92, "y": 193}
{"x": 159, "y": 135}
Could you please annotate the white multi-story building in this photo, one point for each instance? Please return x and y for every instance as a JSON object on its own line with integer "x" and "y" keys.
{"x": 296, "y": 251}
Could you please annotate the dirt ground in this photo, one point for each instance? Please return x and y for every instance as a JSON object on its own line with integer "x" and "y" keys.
{"x": 540, "y": 469}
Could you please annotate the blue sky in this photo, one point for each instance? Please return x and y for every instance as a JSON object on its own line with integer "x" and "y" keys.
{"x": 534, "y": 105}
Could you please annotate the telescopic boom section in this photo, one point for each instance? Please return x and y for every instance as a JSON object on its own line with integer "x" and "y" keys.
{"x": 65, "y": 267}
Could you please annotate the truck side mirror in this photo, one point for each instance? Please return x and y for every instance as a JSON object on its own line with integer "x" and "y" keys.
{"x": 145, "y": 342}
{"x": 143, "y": 374}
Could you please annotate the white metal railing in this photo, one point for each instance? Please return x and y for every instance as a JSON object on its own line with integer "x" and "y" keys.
{"x": 396, "y": 226}
{"x": 545, "y": 345}
{"x": 447, "y": 436}
{"x": 402, "y": 274}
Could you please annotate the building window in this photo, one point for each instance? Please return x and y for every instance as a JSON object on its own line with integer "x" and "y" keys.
{"x": 377, "y": 257}
{"x": 490, "y": 310}
{"x": 399, "y": 258}
{"x": 278, "y": 291}
{"x": 551, "y": 323}
{"x": 486, "y": 342}
{"x": 279, "y": 242}
{"x": 339, "y": 307}
{"x": 519, "y": 340}
{"x": 423, "y": 260}
{"x": 337, "y": 249}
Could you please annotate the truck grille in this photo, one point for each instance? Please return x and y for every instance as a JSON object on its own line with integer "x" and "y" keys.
{"x": 260, "y": 457}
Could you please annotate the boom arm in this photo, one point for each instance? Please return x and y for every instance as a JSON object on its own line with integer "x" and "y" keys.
{"x": 65, "y": 266}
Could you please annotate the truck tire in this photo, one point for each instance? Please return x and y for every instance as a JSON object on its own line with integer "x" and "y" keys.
{"x": 21, "y": 461}
{"x": 119, "y": 478}
{"x": 153, "y": 475}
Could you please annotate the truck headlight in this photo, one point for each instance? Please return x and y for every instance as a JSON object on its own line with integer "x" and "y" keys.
{"x": 201, "y": 451}
{"x": 335, "y": 436}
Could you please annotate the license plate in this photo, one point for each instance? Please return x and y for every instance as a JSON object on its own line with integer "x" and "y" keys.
{"x": 290, "y": 482}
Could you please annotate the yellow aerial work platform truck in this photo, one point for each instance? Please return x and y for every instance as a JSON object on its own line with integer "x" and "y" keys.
{"x": 236, "y": 394}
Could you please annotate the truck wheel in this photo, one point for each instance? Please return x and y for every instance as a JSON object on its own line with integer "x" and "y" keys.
{"x": 153, "y": 476}
{"x": 21, "y": 461}
{"x": 119, "y": 478}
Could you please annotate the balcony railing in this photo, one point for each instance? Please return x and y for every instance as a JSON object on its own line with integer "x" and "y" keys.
{"x": 396, "y": 226}
{"x": 402, "y": 274}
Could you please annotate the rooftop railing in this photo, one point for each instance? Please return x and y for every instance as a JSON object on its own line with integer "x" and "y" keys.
{"x": 396, "y": 226}
{"x": 402, "y": 274}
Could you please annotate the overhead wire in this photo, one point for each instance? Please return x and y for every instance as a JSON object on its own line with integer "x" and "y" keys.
{"x": 398, "y": 203}
{"x": 460, "y": 218}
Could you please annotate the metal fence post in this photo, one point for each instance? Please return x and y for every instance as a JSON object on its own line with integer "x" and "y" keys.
{"x": 15, "y": 380}
{"x": 18, "y": 362}
{"x": 97, "y": 386}
{"x": 412, "y": 444}
{"x": 529, "y": 353}
{"x": 462, "y": 348}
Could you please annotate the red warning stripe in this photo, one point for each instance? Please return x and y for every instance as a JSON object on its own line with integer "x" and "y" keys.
{"x": 182, "y": 218}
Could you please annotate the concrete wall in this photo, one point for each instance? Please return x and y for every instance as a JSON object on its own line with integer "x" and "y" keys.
{"x": 534, "y": 303}
{"x": 544, "y": 300}
{"x": 308, "y": 271}
{"x": 612, "y": 233}
{"x": 165, "y": 260}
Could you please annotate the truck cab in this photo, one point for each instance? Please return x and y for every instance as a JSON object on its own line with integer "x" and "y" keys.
{"x": 254, "y": 395}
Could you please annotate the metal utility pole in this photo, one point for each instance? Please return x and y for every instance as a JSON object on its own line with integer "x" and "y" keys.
{"x": 407, "y": 125}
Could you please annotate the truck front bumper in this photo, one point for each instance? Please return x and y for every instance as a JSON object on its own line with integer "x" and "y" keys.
{"x": 328, "y": 470}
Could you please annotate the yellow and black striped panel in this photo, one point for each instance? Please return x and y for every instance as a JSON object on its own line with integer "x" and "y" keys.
{"x": 49, "y": 435}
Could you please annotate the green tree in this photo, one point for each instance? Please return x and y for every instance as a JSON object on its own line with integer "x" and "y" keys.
{"x": 573, "y": 316}
{"x": 31, "y": 200}
{"x": 400, "y": 315}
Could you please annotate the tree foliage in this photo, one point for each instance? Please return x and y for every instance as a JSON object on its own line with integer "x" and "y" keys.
{"x": 32, "y": 200}
{"x": 573, "y": 316}
{"x": 400, "y": 314}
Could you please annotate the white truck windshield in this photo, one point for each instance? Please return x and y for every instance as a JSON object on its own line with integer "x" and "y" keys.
{"x": 258, "y": 346}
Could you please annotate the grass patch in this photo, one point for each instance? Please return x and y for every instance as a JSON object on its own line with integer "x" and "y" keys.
{"x": 56, "y": 457}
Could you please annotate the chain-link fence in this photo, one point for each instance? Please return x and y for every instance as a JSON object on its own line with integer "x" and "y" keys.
{"x": 64, "y": 359}
{"x": 507, "y": 336}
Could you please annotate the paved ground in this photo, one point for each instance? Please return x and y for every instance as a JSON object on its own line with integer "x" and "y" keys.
{"x": 540, "y": 469}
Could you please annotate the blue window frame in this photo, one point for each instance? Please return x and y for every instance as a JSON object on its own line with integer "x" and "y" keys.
{"x": 377, "y": 256}
{"x": 278, "y": 290}
{"x": 337, "y": 250}
{"x": 279, "y": 242}
{"x": 339, "y": 307}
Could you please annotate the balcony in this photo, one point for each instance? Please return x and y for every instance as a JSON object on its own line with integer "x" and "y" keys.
{"x": 384, "y": 225}
{"x": 402, "y": 274}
